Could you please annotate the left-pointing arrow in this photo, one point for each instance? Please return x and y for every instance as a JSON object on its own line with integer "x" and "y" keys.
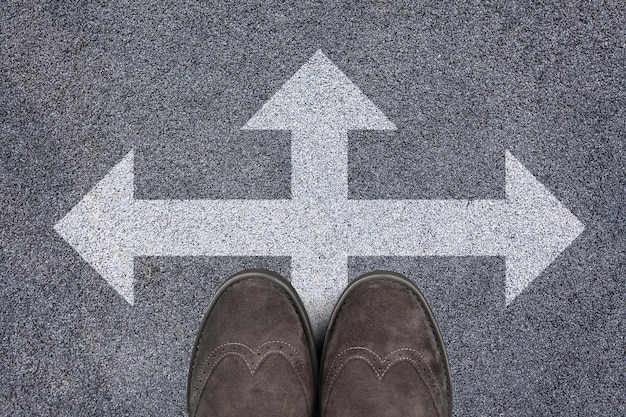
{"x": 108, "y": 227}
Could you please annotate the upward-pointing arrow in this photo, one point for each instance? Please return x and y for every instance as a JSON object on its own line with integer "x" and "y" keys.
{"x": 319, "y": 105}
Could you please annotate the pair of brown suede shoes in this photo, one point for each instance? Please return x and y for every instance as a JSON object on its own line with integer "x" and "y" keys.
{"x": 255, "y": 355}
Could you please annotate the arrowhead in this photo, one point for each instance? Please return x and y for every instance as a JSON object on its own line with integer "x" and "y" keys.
{"x": 540, "y": 228}
{"x": 319, "y": 95}
{"x": 97, "y": 228}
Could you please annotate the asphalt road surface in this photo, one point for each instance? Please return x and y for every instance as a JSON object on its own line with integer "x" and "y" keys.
{"x": 469, "y": 87}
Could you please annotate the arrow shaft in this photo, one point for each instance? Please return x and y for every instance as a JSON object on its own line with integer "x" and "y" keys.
{"x": 426, "y": 227}
{"x": 319, "y": 164}
{"x": 277, "y": 227}
{"x": 210, "y": 227}
{"x": 319, "y": 283}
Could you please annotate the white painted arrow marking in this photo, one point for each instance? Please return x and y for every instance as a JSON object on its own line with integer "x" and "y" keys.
{"x": 319, "y": 228}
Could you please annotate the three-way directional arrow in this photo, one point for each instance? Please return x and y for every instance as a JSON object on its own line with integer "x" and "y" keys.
{"x": 319, "y": 227}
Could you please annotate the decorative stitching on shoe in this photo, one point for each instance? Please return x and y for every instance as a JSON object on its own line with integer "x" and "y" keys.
{"x": 254, "y": 368}
{"x": 257, "y": 357}
{"x": 380, "y": 366}
{"x": 380, "y": 359}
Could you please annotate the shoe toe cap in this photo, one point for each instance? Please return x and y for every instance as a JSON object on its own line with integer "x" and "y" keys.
{"x": 252, "y": 341}
{"x": 384, "y": 328}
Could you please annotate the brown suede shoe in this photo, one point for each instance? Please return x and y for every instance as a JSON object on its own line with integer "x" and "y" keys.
{"x": 254, "y": 354}
{"x": 383, "y": 354}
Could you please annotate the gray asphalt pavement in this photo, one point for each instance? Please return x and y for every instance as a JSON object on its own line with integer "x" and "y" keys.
{"x": 83, "y": 83}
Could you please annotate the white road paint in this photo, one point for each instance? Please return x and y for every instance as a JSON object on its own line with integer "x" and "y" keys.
{"x": 319, "y": 227}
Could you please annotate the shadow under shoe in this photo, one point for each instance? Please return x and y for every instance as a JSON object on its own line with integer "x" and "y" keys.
{"x": 254, "y": 353}
{"x": 383, "y": 353}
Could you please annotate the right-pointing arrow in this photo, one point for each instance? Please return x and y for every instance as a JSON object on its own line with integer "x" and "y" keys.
{"x": 530, "y": 228}
{"x": 539, "y": 228}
